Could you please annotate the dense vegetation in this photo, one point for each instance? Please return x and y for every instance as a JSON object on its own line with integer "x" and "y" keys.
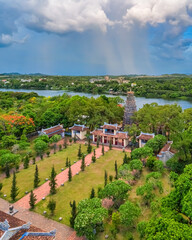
{"x": 140, "y": 175}
{"x": 24, "y": 113}
{"x": 165, "y": 86}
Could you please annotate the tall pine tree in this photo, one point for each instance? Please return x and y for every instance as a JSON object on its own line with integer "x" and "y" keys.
{"x": 89, "y": 147}
{"x": 105, "y": 178}
{"x": 79, "y": 155}
{"x": 92, "y": 195}
{"x": 103, "y": 150}
{"x": 73, "y": 213}
{"x": 98, "y": 142}
{"x": 83, "y": 163}
{"x": 94, "y": 157}
{"x": 14, "y": 188}
{"x": 32, "y": 200}
{"x": 116, "y": 170}
{"x": 125, "y": 159}
{"x": 36, "y": 177}
{"x": 51, "y": 206}
{"x": 67, "y": 162}
{"x": 7, "y": 170}
{"x": 26, "y": 162}
{"x": 69, "y": 173}
{"x": 52, "y": 182}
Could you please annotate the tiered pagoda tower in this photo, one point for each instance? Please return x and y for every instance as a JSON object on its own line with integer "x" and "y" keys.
{"x": 130, "y": 108}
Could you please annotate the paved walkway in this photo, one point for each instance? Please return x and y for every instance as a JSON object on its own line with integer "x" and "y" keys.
{"x": 62, "y": 177}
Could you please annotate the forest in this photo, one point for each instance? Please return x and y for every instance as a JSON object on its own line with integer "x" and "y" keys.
{"x": 175, "y": 86}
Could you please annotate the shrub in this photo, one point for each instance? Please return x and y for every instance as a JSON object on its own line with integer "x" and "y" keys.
{"x": 136, "y": 164}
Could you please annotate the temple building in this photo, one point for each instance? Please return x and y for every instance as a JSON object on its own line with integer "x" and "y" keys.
{"x": 58, "y": 129}
{"x": 12, "y": 228}
{"x": 111, "y": 133}
{"x": 79, "y": 131}
{"x": 130, "y": 109}
{"x": 144, "y": 138}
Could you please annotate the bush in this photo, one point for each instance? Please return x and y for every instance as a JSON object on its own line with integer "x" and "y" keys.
{"x": 55, "y": 138}
{"x": 136, "y": 164}
{"x": 40, "y": 147}
{"x": 140, "y": 153}
{"x": 43, "y": 138}
{"x": 155, "y": 175}
{"x": 173, "y": 177}
{"x": 128, "y": 213}
{"x": 156, "y": 143}
{"x": 23, "y": 145}
{"x": 150, "y": 162}
{"x": 175, "y": 165}
{"x": 141, "y": 226}
{"x": 158, "y": 166}
{"x": 9, "y": 158}
{"x": 124, "y": 172}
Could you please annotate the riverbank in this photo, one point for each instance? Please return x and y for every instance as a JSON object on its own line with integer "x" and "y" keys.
{"x": 140, "y": 101}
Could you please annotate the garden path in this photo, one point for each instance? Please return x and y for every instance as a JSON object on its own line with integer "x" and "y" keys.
{"x": 43, "y": 190}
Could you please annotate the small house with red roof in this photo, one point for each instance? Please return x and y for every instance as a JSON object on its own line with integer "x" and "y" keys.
{"x": 144, "y": 138}
{"x": 58, "y": 129}
{"x": 166, "y": 152}
{"x": 111, "y": 133}
{"x": 79, "y": 131}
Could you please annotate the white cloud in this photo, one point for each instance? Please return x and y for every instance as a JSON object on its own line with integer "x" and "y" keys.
{"x": 63, "y": 16}
{"x": 154, "y": 12}
{"x": 7, "y": 40}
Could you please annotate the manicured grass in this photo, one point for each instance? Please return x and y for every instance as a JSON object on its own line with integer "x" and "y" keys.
{"x": 25, "y": 177}
{"x": 81, "y": 185}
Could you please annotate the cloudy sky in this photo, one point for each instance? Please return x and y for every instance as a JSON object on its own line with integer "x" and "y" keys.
{"x": 95, "y": 37}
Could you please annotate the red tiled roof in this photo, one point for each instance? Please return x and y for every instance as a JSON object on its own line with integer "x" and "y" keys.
{"x": 145, "y": 137}
{"x": 38, "y": 238}
{"x": 121, "y": 135}
{"x": 74, "y": 237}
{"x": 165, "y": 148}
{"x": 79, "y": 128}
{"x": 15, "y": 222}
{"x": 111, "y": 127}
{"x": 98, "y": 132}
{"x": 54, "y": 130}
{"x": 173, "y": 150}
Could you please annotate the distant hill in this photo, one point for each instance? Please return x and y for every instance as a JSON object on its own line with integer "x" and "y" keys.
{"x": 19, "y": 74}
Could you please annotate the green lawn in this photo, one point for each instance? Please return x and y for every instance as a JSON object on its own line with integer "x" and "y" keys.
{"x": 81, "y": 185}
{"x": 26, "y": 176}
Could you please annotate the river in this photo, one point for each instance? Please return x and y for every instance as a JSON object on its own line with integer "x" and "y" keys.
{"x": 140, "y": 101}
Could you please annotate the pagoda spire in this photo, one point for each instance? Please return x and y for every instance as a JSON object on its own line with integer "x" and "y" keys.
{"x": 130, "y": 109}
